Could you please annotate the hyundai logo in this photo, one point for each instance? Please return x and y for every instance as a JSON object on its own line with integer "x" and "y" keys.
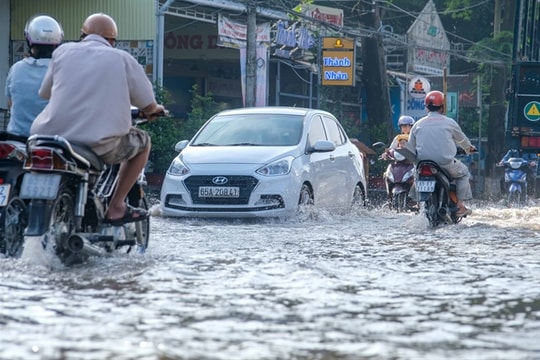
{"x": 220, "y": 180}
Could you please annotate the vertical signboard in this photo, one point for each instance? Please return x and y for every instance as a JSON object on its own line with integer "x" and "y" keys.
{"x": 338, "y": 62}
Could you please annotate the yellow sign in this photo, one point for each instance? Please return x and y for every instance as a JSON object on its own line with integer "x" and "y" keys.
{"x": 338, "y": 62}
{"x": 532, "y": 111}
{"x": 332, "y": 43}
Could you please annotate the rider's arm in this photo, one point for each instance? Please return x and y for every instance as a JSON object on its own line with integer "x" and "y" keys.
{"x": 47, "y": 82}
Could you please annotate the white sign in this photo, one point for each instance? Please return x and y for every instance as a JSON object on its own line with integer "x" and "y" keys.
{"x": 431, "y": 48}
{"x": 419, "y": 87}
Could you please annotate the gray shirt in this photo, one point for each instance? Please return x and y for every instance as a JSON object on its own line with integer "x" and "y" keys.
{"x": 434, "y": 137}
{"x": 91, "y": 86}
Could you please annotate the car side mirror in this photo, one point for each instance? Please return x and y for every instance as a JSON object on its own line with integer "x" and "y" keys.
{"x": 323, "y": 146}
{"x": 181, "y": 145}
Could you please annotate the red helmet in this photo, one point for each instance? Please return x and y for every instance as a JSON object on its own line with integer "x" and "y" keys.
{"x": 434, "y": 99}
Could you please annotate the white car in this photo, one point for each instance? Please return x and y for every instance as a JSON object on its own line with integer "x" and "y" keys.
{"x": 264, "y": 162}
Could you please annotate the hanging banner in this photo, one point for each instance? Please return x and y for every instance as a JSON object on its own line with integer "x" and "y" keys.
{"x": 233, "y": 34}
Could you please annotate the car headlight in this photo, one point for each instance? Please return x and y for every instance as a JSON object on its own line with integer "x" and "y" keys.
{"x": 278, "y": 167}
{"x": 177, "y": 167}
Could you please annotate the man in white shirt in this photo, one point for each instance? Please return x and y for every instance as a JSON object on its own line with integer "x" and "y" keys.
{"x": 434, "y": 137}
{"x": 91, "y": 87}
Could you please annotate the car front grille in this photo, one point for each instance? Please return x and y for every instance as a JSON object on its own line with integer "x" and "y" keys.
{"x": 246, "y": 184}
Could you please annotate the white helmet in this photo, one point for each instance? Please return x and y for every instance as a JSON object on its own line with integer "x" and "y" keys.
{"x": 43, "y": 30}
{"x": 405, "y": 120}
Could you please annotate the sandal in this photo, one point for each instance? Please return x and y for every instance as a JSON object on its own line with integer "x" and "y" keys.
{"x": 463, "y": 212}
{"x": 131, "y": 214}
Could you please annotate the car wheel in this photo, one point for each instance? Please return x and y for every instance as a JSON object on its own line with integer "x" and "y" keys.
{"x": 306, "y": 196}
{"x": 359, "y": 196}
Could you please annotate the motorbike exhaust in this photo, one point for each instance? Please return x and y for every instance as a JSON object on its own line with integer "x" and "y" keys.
{"x": 444, "y": 214}
{"x": 78, "y": 243}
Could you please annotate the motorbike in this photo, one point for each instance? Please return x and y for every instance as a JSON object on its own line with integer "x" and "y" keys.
{"x": 13, "y": 210}
{"x": 68, "y": 188}
{"x": 515, "y": 180}
{"x": 435, "y": 190}
{"x": 399, "y": 179}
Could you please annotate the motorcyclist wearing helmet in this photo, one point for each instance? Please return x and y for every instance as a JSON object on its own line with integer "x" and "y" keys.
{"x": 94, "y": 88}
{"x": 434, "y": 137}
{"x": 405, "y": 123}
{"x": 43, "y": 34}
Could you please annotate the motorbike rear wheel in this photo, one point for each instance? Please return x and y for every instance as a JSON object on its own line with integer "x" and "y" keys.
{"x": 431, "y": 209}
{"x": 62, "y": 223}
{"x": 15, "y": 219}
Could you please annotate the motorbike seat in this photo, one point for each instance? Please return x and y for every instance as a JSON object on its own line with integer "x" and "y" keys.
{"x": 86, "y": 152}
{"x": 77, "y": 149}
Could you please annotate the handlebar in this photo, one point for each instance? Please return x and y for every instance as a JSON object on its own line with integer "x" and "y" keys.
{"x": 136, "y": 113}
{"x": 138, "y": 117}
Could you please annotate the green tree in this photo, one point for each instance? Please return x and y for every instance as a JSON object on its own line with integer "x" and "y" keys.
{"x": 166, "y": 132}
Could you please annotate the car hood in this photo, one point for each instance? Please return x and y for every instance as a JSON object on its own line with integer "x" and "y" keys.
{"x": 236, "y": 154}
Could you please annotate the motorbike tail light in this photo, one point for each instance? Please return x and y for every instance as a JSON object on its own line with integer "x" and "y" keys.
{"x": 6, "y": 150}
{"x": 11, "y": 152}
{"x": 44, "y": 159}
{"x": 427, "y": 170}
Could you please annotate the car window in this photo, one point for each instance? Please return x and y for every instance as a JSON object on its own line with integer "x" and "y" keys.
{"x": 251, "y": 130}
{"x": 335, "y": 134}
{"x": 316, "y": 130}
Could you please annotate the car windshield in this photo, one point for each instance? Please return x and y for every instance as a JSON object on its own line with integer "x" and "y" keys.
{"x": 251, "y": 130}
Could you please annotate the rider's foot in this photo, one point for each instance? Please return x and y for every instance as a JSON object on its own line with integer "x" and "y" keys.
{"x": 131, "y": 214}
{"x": 463, "y": 211}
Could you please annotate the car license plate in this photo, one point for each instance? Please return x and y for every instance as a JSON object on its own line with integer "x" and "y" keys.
{"x": 40, "y": 186}
{"x": 219, "y": 191}
{"x": 425, "y": 186}
{"x": 4, "y": 194}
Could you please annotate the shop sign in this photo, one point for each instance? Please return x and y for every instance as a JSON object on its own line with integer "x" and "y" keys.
{"x": 323, "y": 13}
{"x": 338, "y": 62}
{"x": 293, "y": 42}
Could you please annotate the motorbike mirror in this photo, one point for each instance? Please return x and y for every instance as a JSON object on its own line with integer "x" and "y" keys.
{"x": 378, "y": 145}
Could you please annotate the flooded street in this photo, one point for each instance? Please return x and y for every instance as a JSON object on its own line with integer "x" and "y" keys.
{"x": 364, "y": 285}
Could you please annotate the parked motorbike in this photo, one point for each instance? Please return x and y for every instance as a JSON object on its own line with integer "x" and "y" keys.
{"x": 13, "y": 214}
{"x": 515, "y": 180}
{"x": 69, "y": 189}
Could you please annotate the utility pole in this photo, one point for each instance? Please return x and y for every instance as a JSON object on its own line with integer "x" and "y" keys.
{"x": 374, "y": 74}
{"x": 251, "y": 54}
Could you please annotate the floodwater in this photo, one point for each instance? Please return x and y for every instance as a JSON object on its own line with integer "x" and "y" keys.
{"x": 364, "y": 285}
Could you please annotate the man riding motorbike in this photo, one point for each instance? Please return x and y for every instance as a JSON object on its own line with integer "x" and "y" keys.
{"x": 434, "y": 137}
{"x": 91, "y": 87}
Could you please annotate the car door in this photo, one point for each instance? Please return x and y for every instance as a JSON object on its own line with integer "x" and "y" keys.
{"x": 341, "y": 163}
{"x": 320, "y": 164}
